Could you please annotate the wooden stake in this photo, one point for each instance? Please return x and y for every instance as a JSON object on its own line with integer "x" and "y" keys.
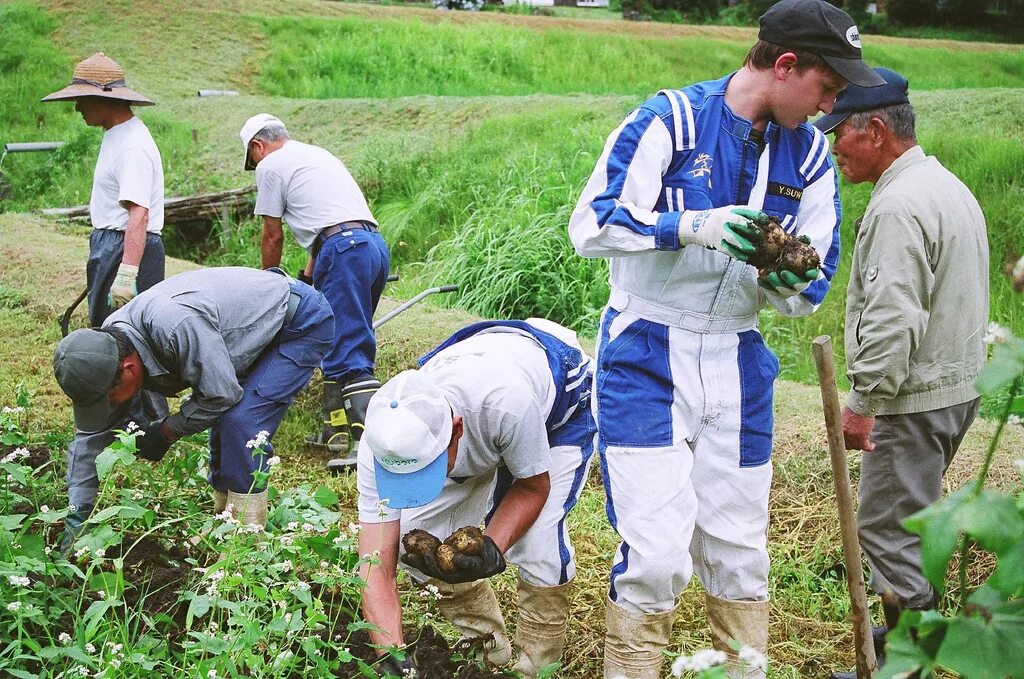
{"x": 864, "y": 647}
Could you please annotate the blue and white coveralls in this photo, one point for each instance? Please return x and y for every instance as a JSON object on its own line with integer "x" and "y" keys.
{"x": 683, "y": 385}
{"x": 477, "y": 384}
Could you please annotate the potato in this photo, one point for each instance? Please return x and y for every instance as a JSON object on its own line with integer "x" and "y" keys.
{"x": 420, "y": 542}
{"x": 446, "y": 559}
{"x": 778, "y": 251}
{"x": 468, "y": 540}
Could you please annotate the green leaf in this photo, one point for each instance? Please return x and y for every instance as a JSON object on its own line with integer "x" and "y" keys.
{"x": 11, "y": 521}
{"x": 937, "y": 526}
{"x": 993, "y": 520}
{"x": 197, "y": 608}
{"x": 123, "y": 511}
{"x": 325, "y": 497}
{"x": 902, "y": 655}
{"x": 110, "y": 583}
{"x": 1007, "y": 364}
{"x": 984, "y": 650}
{"x": 549, "y": 670}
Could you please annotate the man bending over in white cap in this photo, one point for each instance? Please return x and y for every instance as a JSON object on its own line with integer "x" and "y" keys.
{"x": 494, "y": 427}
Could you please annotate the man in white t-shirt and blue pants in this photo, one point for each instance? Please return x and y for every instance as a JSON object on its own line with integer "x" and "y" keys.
{"x": 126, "y": 254}
{"x": 126, "y": 208}
{"x": 312, "y": 190}
{"x": 494, "y": 428}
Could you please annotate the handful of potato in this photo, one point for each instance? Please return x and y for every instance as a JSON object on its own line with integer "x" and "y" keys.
{"x": 459, "y": 550}
{"x": 778, "y": 251}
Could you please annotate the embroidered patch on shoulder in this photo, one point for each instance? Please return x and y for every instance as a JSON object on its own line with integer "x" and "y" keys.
{"x": 777, "y": 189}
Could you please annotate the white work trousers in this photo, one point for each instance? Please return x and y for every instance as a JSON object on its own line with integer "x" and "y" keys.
{"x": 544, "y": 554}
{"x": 684, "y": 434}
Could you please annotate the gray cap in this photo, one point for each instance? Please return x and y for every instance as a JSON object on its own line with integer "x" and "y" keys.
{"x": 85, "y": 365}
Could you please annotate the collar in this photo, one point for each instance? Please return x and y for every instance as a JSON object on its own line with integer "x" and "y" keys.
{"x": 911, "y": 156}
{"x": 149, "y": 362}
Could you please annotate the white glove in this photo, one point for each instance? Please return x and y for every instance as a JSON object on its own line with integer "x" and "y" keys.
{"x": 730, "y": 229}
{"x": 124, "y": 287}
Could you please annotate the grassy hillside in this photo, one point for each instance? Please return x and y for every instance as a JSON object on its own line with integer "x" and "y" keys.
{"x": 462, "y": 128}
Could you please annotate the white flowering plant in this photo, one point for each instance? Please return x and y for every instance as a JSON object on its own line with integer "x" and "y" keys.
{"x": 981, "y": 635}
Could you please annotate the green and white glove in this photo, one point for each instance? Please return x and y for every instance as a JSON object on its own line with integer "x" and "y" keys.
{"x": 729, "y": 229}
{"x": 124, "y": 287}
{"x": 786, "y": 283}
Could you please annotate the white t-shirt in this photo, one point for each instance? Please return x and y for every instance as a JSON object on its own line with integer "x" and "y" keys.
{"x": 310, "y": 189}
{"x": 500, "y": 383}
{"x": 127, "y": 169}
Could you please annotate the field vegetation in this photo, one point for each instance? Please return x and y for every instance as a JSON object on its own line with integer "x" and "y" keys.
{"x": 472, "y": 136}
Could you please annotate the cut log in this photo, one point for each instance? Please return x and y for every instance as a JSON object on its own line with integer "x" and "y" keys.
{"x": 204, "y": 206}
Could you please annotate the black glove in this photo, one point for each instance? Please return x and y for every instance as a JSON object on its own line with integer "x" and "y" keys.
{"x": 152, "y": 445}
{"x": 467, "y": 568}
{"x": 391, "y": 665}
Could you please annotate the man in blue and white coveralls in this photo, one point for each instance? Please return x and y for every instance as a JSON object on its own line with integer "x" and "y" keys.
{"x": 683, "y": 384}
{"x": 495, "y": 427}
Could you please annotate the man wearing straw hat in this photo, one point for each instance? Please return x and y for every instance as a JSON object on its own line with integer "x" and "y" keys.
{"x": 126, "y": 254}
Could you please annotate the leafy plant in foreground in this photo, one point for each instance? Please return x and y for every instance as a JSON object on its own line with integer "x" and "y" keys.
{"x": 983, "y": 636}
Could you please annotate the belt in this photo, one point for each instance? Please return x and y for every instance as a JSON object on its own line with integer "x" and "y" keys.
{"x": 692, "y": 321}
{"x": 293, "y": 305}
{"x": 346, "y": 226}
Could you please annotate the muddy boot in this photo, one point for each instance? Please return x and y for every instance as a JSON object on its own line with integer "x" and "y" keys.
{"x": 73, "y": 527}
{"x": 355, "y": 397}
{"x": 220, "y": 501}
{"x": 333, "y": 437}
{"x": 634, "y": 641}
{"x": 473, "y": 608}
{"x": 248, "y": 509}
{"x": 543, "y": 619}
{"x": 744, "y": 621}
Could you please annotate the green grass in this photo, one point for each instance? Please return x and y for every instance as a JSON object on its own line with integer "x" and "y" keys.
{"x": 357, "y": 57}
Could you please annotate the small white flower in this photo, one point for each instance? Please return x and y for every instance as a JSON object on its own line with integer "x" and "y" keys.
{"x": 16, "y": 454}
{"x": 134, "y": 428}
{"x": 996, "y": 334}
{"x": 44, "y": 509}
{"x": 260, "y": 440}
{"x": 309, "y": 528}
{"x": 753, "y": 658}
{"x": 273, "y": 461}
{"x": 211, "y": 674}
{"x": 353, "y": 528}
{"x": 291, "y": 526}
{"x": 64, "y": 638}
{"x": 14, "y": 606}
{"x": 19, "y": 580}
{"x": 1015, "y": 419}
{"x": 90, "y": 649}
{"x": 13, "y": 411}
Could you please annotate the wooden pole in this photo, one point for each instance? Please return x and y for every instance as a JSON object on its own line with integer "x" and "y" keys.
{"x": 864, "y": 647}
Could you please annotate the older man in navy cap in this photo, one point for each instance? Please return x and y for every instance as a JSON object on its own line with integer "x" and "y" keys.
{"x": 917, "y": 307}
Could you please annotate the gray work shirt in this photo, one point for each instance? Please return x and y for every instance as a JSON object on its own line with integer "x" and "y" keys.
{"x": 204, "y": 329}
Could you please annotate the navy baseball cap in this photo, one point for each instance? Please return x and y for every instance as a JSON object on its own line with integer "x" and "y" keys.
{"x": 820, "y": 28}
{"x": 856, "y": 99}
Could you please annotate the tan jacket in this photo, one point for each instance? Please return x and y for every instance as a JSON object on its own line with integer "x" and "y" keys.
{"x": 917, "y": 303}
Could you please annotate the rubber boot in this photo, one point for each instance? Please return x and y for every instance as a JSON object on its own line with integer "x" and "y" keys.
{"x": 248, "y": 508}
{"x": 220, "y": 501}
{"x": 333, "y": 437}
{"x": 543, "y": 619}
{"x": 892, "y": 607}
{"x": 73, "y": 527}
{"x": 356, "y": 398}
{"x": 633, "y": 642}
{"x": 743, "y": 621}
{"x": 473, "y": 608}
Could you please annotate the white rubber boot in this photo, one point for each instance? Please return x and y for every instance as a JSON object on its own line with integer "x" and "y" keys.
{"x": 249, "y": 509}
{"x": 633, "y": 642}
{"x": 744, "y": 621}
{"x": 540, "y": 633}
{"x": 473, "y": 608}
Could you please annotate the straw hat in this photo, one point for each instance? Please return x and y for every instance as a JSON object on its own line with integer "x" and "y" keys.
{"x": 98, "y": 76}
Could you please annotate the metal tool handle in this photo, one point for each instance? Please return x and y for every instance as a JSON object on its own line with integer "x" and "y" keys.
{"x": 864, "y": 648}
{"x": 408, "y": 303}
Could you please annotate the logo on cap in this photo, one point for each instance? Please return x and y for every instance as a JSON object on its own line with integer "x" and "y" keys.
{"x": 853, "y": 36}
